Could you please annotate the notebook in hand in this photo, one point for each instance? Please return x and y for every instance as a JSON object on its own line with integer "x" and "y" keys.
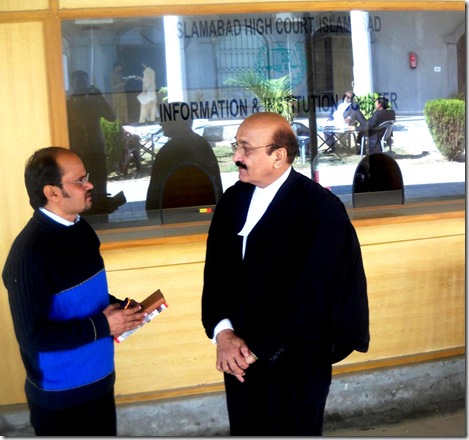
{"x": 153, "y": 305}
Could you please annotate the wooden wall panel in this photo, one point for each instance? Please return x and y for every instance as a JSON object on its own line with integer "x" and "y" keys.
{"x": 417, "y": 297}
{"x": 24, "y": 127}
{"x": 401, "y": 229}
{"x": 24, "y": 124}
{"x": 163, "y": 252}
{"x": 23, "y": 5}
{"x": 270, "y": 6}
{"x": 416, "y": 283}
{"x": 172, "y": 351}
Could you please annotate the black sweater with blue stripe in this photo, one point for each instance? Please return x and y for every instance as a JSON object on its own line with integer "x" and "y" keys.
{"x": 57, "y": 290}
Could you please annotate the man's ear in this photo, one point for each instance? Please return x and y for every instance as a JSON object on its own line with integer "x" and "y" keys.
{"x": 51, "y": 192}
{"x": 280, "y": 155}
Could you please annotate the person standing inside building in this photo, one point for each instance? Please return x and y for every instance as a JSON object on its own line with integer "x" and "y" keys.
{"x": 148, "y": 96}
{"x": 119, "y": 97}
{"x": 63, "y": 316}
{"x": 85, "y": 107}
{"x": 284, "y": 294}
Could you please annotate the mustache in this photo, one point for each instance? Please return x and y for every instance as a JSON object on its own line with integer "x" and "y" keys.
{"x": 241, "y": 165}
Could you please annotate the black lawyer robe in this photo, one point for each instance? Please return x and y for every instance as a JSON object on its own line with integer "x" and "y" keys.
{"x": 302, "y": 278}
{"x": 298, "y": 299}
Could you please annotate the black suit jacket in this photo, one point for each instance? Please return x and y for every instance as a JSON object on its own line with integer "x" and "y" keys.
{"x": 301, "y": 287}
{"x": 378, "y": 117}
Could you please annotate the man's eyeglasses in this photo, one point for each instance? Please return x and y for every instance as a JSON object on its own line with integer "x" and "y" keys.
{"x": 247, "y": 150}
{"x": 80, "y": 181}
{"x": 348, "y": 97}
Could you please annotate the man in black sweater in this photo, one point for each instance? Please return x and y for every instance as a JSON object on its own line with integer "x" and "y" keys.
{"x": 63, "y": 316}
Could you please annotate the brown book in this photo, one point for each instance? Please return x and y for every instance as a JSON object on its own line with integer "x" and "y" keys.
{"x": 153, "y": 305}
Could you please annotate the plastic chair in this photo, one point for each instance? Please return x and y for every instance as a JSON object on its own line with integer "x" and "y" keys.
{"x": 387, "y": 125}
{"x": 387, "y": 134}
{"x": 302, "y": 133}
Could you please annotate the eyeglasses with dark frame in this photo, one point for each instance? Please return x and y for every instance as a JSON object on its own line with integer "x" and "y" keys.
{"x": 80, "y": 181}
{"x": 247, "y": 150}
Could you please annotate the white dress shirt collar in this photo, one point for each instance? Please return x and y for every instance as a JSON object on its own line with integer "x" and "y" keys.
{"x": 57, "y": 218}
{"x": 261, "y": 199}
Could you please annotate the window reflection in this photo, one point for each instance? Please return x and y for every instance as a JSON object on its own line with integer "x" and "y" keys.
{"x": 209, "y": 72}
{"x": 86, "y": 106}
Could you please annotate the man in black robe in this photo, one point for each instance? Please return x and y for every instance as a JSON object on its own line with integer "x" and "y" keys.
{"x": 284, "y": 292}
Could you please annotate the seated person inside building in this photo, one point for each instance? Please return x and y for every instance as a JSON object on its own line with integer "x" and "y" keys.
{"x": 368, "y": 126}
{"x": 342, "y": 116}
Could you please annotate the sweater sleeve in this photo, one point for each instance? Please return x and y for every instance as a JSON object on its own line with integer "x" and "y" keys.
{"x": 100, "y": 326}
{"x": 28, "y": 281}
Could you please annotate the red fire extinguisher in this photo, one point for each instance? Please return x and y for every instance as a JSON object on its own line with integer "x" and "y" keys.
{"x": 413, "y": 60}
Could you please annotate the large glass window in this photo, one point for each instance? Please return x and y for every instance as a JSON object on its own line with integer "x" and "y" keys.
{"x": 153, "y": 103}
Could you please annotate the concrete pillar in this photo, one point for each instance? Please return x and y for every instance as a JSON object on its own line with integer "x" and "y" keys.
{"x": 361, "y": 49}
{"x": 175, "y": 65}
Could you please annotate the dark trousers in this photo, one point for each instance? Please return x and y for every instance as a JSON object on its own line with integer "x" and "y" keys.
{"x": 285, "y": 400}
{"x": 95, "y": 418}
{"x": 329, "y": 139}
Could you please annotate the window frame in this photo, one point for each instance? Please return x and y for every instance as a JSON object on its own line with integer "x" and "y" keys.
{"x": 124, "y": 231}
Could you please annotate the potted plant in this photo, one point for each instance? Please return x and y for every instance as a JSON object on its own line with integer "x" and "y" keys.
{"x": 274, "y": 94}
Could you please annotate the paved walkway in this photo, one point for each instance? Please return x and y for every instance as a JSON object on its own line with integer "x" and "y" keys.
{"x": 452, "y": 424}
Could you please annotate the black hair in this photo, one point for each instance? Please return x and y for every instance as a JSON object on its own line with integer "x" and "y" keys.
{"x": 42, "y": 169}
{"x": 383, "y": 101}
{"x": 80, "y": 82}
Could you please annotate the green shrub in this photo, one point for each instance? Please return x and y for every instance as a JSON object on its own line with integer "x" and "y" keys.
{"x": 163, "y": 94}
{"x": 115, "y": 143}
{"x": 446, "y": 121}
{"x": 367, "y": 103}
